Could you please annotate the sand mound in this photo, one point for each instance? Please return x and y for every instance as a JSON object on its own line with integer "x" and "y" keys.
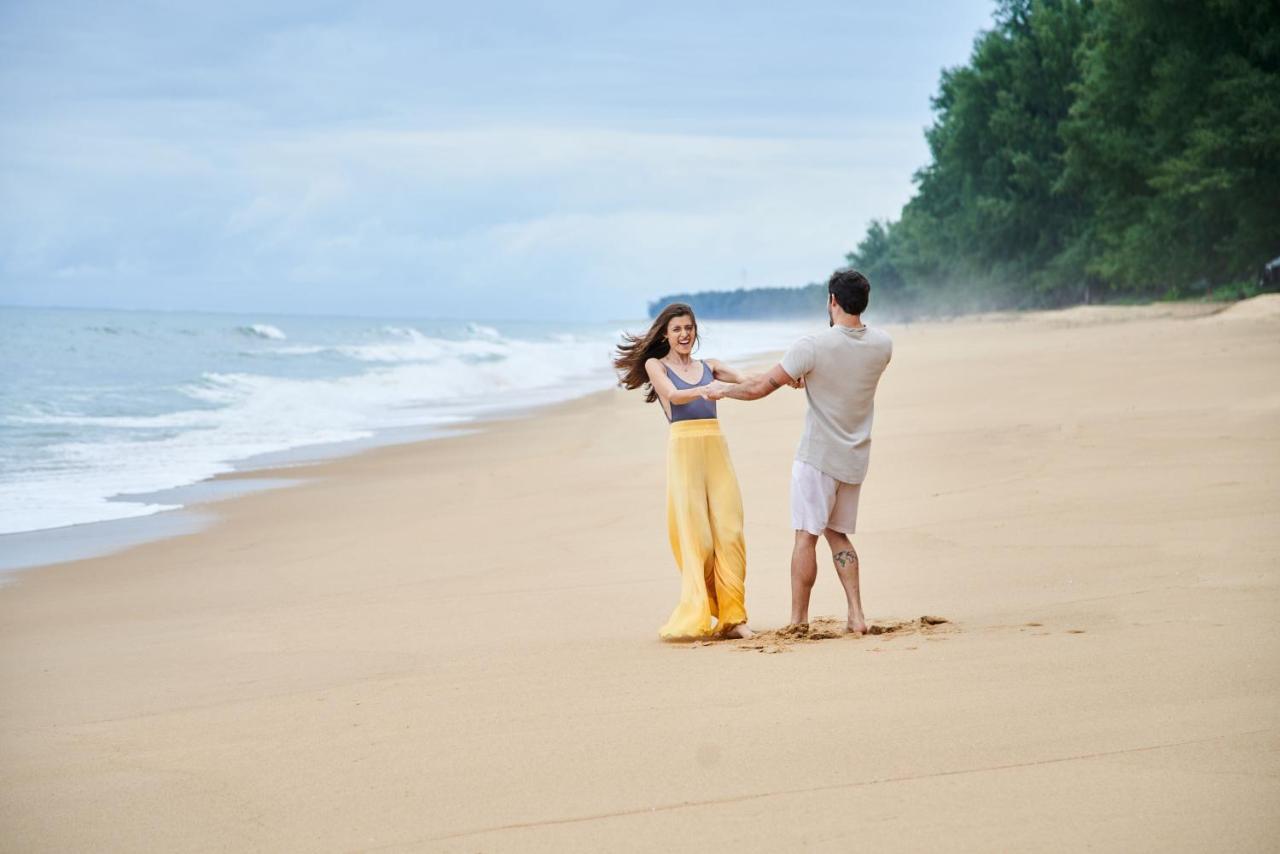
{"x": 1261, "y": 307}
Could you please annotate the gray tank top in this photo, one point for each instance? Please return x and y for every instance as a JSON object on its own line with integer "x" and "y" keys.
{"x": 695, "y": 409}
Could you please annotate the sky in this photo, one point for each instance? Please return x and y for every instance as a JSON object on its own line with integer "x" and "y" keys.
{"x": 492, "y": 160}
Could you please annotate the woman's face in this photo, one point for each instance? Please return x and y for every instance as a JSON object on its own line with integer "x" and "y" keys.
{"x": 681, "y": 333}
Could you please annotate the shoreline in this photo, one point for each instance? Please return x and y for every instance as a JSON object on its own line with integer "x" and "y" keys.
{"x": 196, "y": 508}
{"x": 452, "y": 645}
{"x": 24, "y": 551}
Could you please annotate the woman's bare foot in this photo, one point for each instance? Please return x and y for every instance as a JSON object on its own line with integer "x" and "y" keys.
{"x": 739, "y": 631}
{"x": 857, "y": 625}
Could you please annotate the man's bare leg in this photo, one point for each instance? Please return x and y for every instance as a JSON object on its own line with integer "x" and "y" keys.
{"x": 804, "y": 571}
{"x": 846, "y": 561}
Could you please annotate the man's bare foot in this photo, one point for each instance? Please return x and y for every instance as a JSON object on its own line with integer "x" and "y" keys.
{"x": 739, "y": 631}
{"x": 857, "y": 626}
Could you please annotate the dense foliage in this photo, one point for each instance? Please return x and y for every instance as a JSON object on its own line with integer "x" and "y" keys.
{"x": 1090, "y": 150}
{"x": 1094, "y": 150}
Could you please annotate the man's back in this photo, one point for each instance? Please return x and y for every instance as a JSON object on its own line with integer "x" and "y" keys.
{"x": 841, "y": 367}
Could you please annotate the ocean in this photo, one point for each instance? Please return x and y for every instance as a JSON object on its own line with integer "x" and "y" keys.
{"x": 101, "y": 410}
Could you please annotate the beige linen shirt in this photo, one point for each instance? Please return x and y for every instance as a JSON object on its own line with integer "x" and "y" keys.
{"x": 841, "y": 368}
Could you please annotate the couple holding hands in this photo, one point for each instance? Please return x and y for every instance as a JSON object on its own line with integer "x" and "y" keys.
{"x": 839, "y": 370}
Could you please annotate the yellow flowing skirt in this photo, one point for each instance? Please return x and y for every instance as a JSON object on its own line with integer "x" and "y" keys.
{"x": 704, "y": 522}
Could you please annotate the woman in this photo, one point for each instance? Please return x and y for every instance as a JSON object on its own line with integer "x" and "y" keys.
{"x": 704, "y": 506}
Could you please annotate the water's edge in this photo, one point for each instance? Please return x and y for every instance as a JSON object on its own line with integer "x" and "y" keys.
{"x": 193, "y": 514}
{"x": 190, "y": 511}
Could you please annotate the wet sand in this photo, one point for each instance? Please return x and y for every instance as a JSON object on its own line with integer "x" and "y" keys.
{"x": 452, "y": 645}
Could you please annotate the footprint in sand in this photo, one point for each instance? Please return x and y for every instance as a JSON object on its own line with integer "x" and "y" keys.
{"x": 827, "y": 628}
{"x": 1041, "y": 625}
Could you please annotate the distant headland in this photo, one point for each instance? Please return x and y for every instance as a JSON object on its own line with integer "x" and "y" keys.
{"x": 750, "y": 303}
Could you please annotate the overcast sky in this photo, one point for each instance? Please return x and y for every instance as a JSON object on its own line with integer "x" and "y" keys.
{"x": 453, "y": 159}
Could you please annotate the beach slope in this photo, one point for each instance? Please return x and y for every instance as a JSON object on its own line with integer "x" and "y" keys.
{"x": 452, "y": 645}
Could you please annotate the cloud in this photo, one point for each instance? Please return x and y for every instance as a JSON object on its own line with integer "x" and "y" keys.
{"x": 605, "y": 213}
{"x": 383, "y": 159}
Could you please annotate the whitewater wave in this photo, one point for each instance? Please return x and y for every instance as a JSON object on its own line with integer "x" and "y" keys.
{"x": 402, "y": 332}
{"x": 262, "y": 330}
{"x": 407, "y": 344}
{"x": 164, "y": 421}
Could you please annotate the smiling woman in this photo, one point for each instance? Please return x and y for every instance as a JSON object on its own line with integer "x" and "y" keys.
{"x": 704, "y": 504}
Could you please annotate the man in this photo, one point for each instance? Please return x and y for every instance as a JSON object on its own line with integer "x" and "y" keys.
{"x": 839, "y": 369}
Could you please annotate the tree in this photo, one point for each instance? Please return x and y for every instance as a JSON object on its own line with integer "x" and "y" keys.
{"x": 1124, "y": 148}
{"x": 1175, "y": 139}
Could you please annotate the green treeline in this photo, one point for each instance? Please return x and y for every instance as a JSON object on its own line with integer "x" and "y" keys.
{"x": 751, "y": 302}
{"x": 1091, "y": 150}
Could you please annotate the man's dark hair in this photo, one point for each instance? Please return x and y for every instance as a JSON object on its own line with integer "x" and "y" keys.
{"x": 850, "y": 288}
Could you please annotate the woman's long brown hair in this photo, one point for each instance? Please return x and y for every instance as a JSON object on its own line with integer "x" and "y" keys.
{"x": 635, "y": 350}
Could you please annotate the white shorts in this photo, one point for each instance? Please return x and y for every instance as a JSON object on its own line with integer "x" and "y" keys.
{"x": 819, "y": 501}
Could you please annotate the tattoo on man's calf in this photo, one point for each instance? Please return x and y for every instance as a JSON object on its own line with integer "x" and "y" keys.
{"x": 846, "y": 557}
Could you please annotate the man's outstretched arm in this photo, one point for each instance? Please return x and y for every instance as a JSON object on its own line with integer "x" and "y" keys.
{"x": 755, "y": 387}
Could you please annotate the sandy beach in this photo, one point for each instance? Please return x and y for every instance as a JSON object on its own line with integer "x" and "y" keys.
{"x": 452, "y": 645}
